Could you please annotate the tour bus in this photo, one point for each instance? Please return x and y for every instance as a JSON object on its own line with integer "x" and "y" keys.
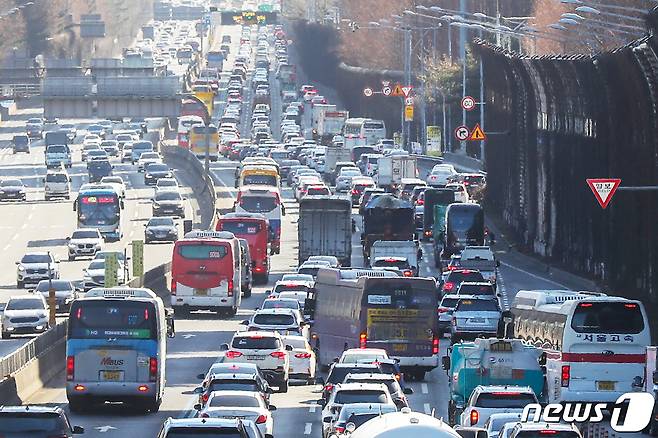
{"x": 100, "y": 208}
{"x": 358, "y": 308}
{"x": 352, "y": 133}
{"x": 255, "y": 229}
{"x": 184, "y": 125}
{"x": 595, "y": 344}
{"x": 215, "y": 59}
{"x": 192, "y": 107}
{"x": 265, "y": 200}
{"x": 198, "y": 144}
{"x": 116, "y": 346}
{"x": 205, "y": 273}
{"x": 464, "y": 227}
{"x": 259, "y": 176}
{"x": 373, "y": 130}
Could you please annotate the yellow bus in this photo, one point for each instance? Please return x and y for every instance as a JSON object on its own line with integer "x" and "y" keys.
{"x": 259, "y": 175}
{"x": 197, "y": 141}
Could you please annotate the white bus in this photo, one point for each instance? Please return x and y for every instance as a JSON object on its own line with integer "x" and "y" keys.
{"x": 363, "y": 132}
{"x": 595, "y": 344}
{"x": 184, "y": 125}
{"x": 116, "y": 346}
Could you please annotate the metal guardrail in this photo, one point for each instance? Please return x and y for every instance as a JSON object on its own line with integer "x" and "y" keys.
{"x": 35, "y": 347}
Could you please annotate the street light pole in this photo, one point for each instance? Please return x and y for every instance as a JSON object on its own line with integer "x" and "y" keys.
{"x": 52, "y": 302}
{"x": 407, "y": 79}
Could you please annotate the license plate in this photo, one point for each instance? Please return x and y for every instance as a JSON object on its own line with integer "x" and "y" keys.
{"x": 604, "y": 385}
{"x": 111, "y": 375}
{"x": 477, "y": 320}
{"x": 255, "y": 357}
{"x": 399, "y": 347}
{"x": 203, "y": 292}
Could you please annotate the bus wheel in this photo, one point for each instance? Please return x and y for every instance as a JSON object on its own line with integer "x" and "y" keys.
{"x": 232, "y": 311}
{"x": 283, "y": 387}
{"x": 247, "y": 293}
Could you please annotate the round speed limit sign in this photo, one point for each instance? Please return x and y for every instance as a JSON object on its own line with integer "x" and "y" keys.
{"x": 462, "y": 133}
{"x": 468, "y": 103}
{"x": 367, "y": 92}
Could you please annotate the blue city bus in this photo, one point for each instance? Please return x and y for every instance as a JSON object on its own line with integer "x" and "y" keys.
{"x": 101, "y": 209}
{"x": 116, "y": 348}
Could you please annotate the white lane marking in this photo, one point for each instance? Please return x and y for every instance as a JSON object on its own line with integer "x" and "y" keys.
{"x": 311, "y": 409}
{"x": 423, "y": 388}
{"x": 537, "y": 277}
{"x": 307, "y": 428}
{"x": 427, "y": 409}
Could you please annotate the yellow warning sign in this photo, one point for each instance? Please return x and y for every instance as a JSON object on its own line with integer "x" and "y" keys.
{"x": 477, "y": 134}
{"x": 408, "y": 113}
{"x": 397, "y": 91}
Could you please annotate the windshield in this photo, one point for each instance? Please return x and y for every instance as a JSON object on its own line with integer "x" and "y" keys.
{"x": 164, "y": 182}
{"x": 11, "y": 183}
{"x": 97, "y": 319}
{"x": 57, "y": 178}
{"x": 56, "y": 149}
{"x": 36, "y": 258}
{"x": 95, "y": 265}
{"x": 29, "y": 423}
{"x": 608, "y": 317}
{"x": 89, "y": 234}
{"x": 258, "y": 204}
{"x": 273, "y": 319}
{"x": 234, "y": 401}
{"x": 400, "y": 264}
{"x": 102, "y": 210}
{"x": 241, "y": 228}
{"x": 256, "y": 343}
{"x": 477, "y": 306}
{"x": 112, "y": 180}
{"x": 157, "y": 168}
{"x": 360, "y": 396}
{"x": 252, "y": 179}
{"x": 504, "y": 400}
{"x": 25, "y": 304}
{"x": 44, "y": 285}
{"x": 160, "y": 221}
{"x": 168, "y": 196}
{"x": 203, "y": 251}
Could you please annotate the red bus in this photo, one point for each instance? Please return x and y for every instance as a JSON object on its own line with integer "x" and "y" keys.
{"x": 254, "y": 228}
{"x": 191, "y": 107}
{"x": 205, "y": 273}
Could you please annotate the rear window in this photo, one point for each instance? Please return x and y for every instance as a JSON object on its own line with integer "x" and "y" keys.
{"x": 373, "y": 125}
{"x": 203, "y": 251}
{"x": 57, "y": 178}
{"x": 476, "y": 289}
{"x": 29, "y": 423}
{"x": 270, "y": 319}
{"x": 241, "y": 228}
{"x": 504, "y": 400}
{"x": 233, "y": 385}
{"x": 112, "y": 319}
{"x": 234, "y": 401}
{"x": 211, "y": 432}
{"x": 256, "y": 343}
{"x": 392, "y": 384}
{"x": 547, "y": 433}
{"x": 291, "y": 287}
{"x": 337, "y": 374}
{"x": 477, "y": 305}
{"x": 57, "y": 149}
{"x": 360, "y": 396}
{"x": 608, "y": 317}
{"x": 449, "y": 302}
{"x": 400, "y": 264}
{"x": 458, "y": 277}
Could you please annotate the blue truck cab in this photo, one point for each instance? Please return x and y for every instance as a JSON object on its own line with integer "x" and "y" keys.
{"x": 491, "y": 361}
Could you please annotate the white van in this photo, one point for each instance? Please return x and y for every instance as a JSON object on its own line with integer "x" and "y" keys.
{"x": 403, "y": 424}
{"x": 57, "y": 184}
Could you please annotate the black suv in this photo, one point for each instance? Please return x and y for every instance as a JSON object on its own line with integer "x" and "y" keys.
{"x": 36, "y": 422}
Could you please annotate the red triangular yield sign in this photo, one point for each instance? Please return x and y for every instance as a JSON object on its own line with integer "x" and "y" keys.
{"x": 603, "y": 189}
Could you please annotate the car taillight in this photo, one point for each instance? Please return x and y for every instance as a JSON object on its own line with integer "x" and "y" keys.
{"x": 566, "y": 375}
{"x": 328, "y": 387}
{"x": 153, "y": 369}
{"x": 173, "y": 286}
{"x": 261, "y": 419}
{"x": 428, "y": 233}
{"x": 70, "y": 367}
{"x": 259, "y": 269}
{"x": 474, "y": 417}
{"x": 363, "y": 340}
{"x": 230, "y": 287}
{"x": 448, "y": 285}
{"x": 303, "y": 355}
{"x": 205, "y": 397}
{"x": 233, "y": 354}
{"x": 204, "y": 415}
{"x": 278, "y": 354}
{"x": 355, "y": 192}
{"x": 435, "y": 345}
{"x": 443, "y": 309}
{"x": 339, "y": 429}
{"x": 408, "y": 273}
{"x": 420, "y": 202}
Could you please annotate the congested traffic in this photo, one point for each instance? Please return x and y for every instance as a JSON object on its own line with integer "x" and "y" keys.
{"x": 349, "y": 289}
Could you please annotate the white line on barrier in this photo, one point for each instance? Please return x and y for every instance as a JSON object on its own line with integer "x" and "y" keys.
{"x": 427, "y": 408}
{"x": 423, "y": 388}
{"x": 535, "y": 276}
{"x": 307, "y": 428}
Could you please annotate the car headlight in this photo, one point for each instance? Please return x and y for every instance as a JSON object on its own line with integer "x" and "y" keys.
{"x": 21, "y": 268}
{"x": 72, "y": 245}
{"x": 98, "y": 245}
{"x": 42, "y": 315}
{"x": 156, "y": 205}
{"x": 149, "y": 231}
{"x": 147, "y": 175}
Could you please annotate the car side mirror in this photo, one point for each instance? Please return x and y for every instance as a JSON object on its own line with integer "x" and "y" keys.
{"x": 408, "y": 391}
{"x": 78, "y": 430}
{"x": 200, "y": 376}
{"x": 197, "y": 407}
{"x": 43, "y": 180}
{"x": 445, "y": 361}
{"x": 70, "y": 179}
{"x": 288, "y": 348}
{"x": 283, "y": 210}
{"x": 245, "y": 322}
{"x": 269, "y": 390}
{"x": 18, "y": 263}
{"x": 271, "y": 408}
{"x": 198, "y": 390}
{"x": 321, "y": 402}
{"x": 67, "y": 239}
{"x": 497, "y": 263}
{"x": 336, "y": 360}
{"x": 223, "y": 347}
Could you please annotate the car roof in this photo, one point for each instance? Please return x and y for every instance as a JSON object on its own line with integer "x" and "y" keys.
{"x": 366, "y": 351}
{"x": 252, "y": 394}
{"x": 371, "y": 376}
{"x": 236, "y": 376}
{"x": 274, "y": 311}
{"x": 32, "y": 408}
{"x": 257, "y": 334}
{"x": 203, "y": 422}
{"x": 503, "y": 388}
{"x": 358, "y": 385}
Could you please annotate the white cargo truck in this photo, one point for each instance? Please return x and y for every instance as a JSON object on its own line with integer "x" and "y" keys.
{"x": 391, "y": 169}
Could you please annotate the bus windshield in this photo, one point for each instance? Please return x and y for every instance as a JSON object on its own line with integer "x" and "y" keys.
{"x": 112, "y": 319}
{"x": 241, "y": 228}
{"x": 263, "y": 180}
{"x": 258, "y": 204}
{"x": 397, "y": 311}
{"x": 608, "y": 317}
{"x": 99, "y": 210}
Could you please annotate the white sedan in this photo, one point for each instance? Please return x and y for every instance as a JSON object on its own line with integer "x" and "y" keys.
{"x": 461, "y": 194}
{"x": 302, "y": 359}
{"x": 239, "y": 404}
{"x": 117, "y": 183}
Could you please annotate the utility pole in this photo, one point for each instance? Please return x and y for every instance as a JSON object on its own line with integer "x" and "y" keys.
{"x": 462, "y": 52}
{"x": 52, "y": 302}
{"x": 407, "y": 80}
{"x": 423, "y": 116}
